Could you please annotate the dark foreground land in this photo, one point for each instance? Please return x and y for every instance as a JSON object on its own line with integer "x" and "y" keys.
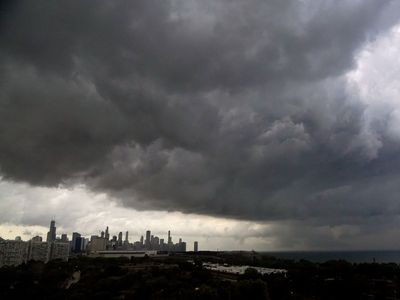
{"x": 176, "y": 278}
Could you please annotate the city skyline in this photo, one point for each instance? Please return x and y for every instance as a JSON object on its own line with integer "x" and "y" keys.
{"x": 14, "y": 252}
{"x": 146, "y": 243}
{"x": 259, "y": 124}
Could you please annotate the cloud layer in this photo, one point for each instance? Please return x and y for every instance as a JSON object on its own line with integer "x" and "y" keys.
{"x": 256, "y": 110}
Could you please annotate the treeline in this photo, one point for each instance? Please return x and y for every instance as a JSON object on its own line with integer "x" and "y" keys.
{"x": 336, "y": 279}
{"x": 123, "y": 279}
{"x": 177, "y": 278}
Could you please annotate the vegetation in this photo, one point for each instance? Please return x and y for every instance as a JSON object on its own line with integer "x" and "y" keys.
{"x": 177, "y": 278}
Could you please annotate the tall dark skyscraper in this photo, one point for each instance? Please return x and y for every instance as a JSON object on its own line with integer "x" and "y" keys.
{"x": 196, "y": 246}
{"x": 120, "y": 239}
{"x": 76, "y": 242}
{"x": 147, "y": 241}
{"x": 51, "y": 235}
{"x": 169, "y": 238}
{"x": 107, "y": 234}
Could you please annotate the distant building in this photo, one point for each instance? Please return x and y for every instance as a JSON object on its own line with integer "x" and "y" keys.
{"x": 182, "y": 247}
{"x": 169, "y": 238}
{"x": 76, "y": 243}
{"x": 59, "y": 250}
{"x": 46, "y": 251}
{"x": 13, "y": 253}
{"x": 51, "y": 235}
{"x": 37, "y": 239}
{"x": 156, "y": 243}
{"x": 84, "y": 244}
{"x": 126, "y": 237}
{"x": 39, "y": 251}
{"x": 107, "y": 235}
{"x": 196, "y": 246}
{"x": 79, "y": 244}
{"x": 97, "y": 244}
{"x": 137, "y": 246}
{"x": 148, "y": 239}
{"x": 162, "y": 245}
{"x": 64, "y": 238}
{"x": 120, "y": 239}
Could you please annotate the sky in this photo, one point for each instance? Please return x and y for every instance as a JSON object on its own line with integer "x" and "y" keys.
{"x": 258, "y": 124}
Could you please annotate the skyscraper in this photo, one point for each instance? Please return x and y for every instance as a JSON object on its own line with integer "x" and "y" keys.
{"x": 60, "y": 250}
{"x": 162, "y": 245}
{"x": 155, "y": 243}
{"x": 196, "y": 246}
{"x": 126, "y": 237}
{"x": 120, "y": 238}
{"x": 147, "y": 241}
{"x": 51, "y": 235}
{"x": 76, "y": 242}
{"x": 182, "y": 246}
{"x": 107, "y": 235}
{"x": 169, "y": 238}
{"x": 39, "y": 251}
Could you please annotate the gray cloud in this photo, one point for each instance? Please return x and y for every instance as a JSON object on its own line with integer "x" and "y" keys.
{"x": 226, "y": 108}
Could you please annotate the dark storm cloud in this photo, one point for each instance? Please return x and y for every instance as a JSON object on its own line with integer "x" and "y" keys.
{"x": 230, "y": 108}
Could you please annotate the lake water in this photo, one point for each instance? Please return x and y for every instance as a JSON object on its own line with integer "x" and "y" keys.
{"x": 385, "y": 256}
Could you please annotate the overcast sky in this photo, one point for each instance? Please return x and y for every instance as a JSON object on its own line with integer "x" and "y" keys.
{"x": 257, "y": 124}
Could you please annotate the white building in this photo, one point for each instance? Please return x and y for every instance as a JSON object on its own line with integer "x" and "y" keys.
{"x": 97, "y": 244}
{"x": 13, "y": 253}
{"x": 39, "y": 251}
{"x": 59, "y": 250}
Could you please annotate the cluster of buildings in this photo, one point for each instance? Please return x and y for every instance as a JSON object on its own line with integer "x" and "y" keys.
{"x": 147, "y": 243}
{"x": 15, "y": 252}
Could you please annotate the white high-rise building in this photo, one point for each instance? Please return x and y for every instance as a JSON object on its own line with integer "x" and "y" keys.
{"x": 39, "y": 251}
{"x": 59, "y": 250}
{"x": 13, "y": 253}
{"x": 97, "y": 244}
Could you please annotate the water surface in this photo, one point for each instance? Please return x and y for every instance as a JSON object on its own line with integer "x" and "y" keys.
{"x": 383, "y": 256}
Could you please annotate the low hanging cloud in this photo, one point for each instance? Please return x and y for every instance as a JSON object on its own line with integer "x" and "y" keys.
{"x": 250, "y": 110}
